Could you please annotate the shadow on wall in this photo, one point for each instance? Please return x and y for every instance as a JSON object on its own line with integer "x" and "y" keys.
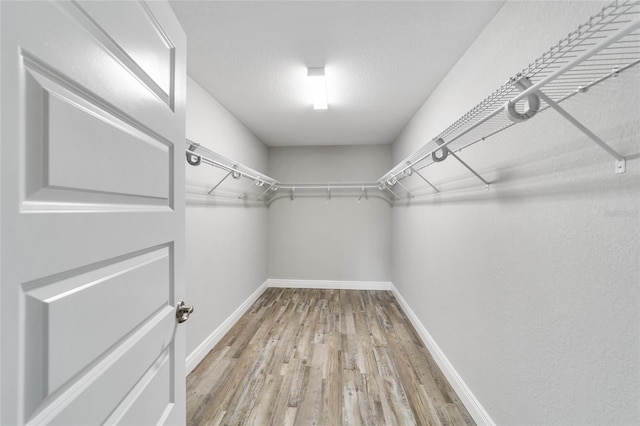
{"x": 561, "y": 172}
{"x": 351, "y": 196}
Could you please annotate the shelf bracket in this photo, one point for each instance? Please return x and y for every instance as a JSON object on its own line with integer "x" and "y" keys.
{"x": 384, "y": 187}
{"x": 244, "y": 193}
{"x": 405, "y": 189}
{"x": 363, "y": 193}
{"x": 425, "y": 179}
{"x": 218, "y": 184}
{"x": 620, "y": 165}
{"x": 486, "y": 184}
{"x": 269, "y": 188}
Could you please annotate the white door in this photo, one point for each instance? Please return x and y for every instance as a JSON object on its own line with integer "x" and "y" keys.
{"x": 92, "y": 211}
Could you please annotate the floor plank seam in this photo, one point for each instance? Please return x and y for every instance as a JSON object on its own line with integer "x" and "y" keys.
{"x": 322, "y": 357}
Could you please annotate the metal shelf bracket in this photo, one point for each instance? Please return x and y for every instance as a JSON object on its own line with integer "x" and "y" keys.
{"x": 486, "y": 184}
{"x": 219, "y": 183}
{"x": 425, "y": 179}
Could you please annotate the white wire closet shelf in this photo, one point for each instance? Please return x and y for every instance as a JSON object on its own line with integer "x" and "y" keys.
{"x": 269, "y": 189}
{"x": 606, "y": 45}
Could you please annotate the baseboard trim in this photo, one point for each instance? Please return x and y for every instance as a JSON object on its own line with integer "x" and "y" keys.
{"x": 469, "y": 400}
{"x": 327, "y": 284}
{"x": 195, "y": 357}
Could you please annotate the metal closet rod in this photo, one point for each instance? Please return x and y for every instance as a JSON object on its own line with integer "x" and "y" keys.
{"x": 314, "y": 186}
{"x": 580, "y": 89}
{"x": 231, "y": 166}
{"x": 270, "y": 183}
{"x": 409, "y": 162}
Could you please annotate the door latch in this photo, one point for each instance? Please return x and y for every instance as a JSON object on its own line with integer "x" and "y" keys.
{"x": 182, "y": 312}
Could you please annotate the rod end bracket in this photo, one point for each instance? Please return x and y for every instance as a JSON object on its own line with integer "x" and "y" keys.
{"x": 621, "y": 166}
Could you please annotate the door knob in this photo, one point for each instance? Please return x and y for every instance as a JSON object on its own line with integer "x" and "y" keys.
{"x": 182, "y": 312}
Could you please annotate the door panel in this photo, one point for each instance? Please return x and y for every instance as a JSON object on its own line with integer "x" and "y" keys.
{"x": 63, "y": 35}
{"x": 135, "y": 31}
{"x": 68, "y": 128}
{"x": 114, "y": 299}
{"x": 152, "y": 400}
{"x": 94, "y": 396}
{"x": 92, "y": 211}
{"x": 70, "y": 125}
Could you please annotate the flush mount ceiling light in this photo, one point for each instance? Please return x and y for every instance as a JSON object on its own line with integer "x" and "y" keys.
{"x": 317, "y": 87}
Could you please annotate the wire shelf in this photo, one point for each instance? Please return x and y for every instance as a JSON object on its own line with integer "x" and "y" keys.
{"x": 265, "y": 188}
{"x": 610, "y": 44}
{"x": 197, "y": 151}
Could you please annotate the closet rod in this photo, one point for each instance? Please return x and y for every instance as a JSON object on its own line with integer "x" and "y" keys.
{"x": 231, "y": 166}
{"x": 579, "y": 89}
{"x": 423, "y": 153}
{"x": 269, "y": 184}
{"x": 338, "y": 186}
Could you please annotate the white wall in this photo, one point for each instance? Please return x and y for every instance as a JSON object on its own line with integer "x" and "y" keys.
{"x": 226, "y": 241}
{"x": 532, "y": 288}
{"x": 343, "y": 239}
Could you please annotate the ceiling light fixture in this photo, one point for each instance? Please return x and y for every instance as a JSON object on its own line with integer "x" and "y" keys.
{"x": 317, "y": 87}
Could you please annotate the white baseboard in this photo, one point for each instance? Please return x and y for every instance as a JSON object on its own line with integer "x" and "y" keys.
{"x": 325, "y": 284}
{"x": 195, "y": 357}
{"x": 469, "y": 400}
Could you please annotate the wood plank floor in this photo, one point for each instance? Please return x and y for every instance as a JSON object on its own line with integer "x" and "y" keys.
{"x": 322, "y": 357}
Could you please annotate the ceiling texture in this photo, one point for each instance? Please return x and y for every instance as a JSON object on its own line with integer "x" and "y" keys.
{"x": 382, "y": 61}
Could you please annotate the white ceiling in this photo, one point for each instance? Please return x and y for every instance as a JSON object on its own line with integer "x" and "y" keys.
{"x": 382, "y": 60}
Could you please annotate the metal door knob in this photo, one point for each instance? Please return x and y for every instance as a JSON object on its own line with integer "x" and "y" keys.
{"x": 182, "y": 312}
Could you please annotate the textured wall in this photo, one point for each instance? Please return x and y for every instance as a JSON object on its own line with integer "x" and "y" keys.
{"x": 532, "y": 288}
{"x": 226, "y": 242}
{"x": 342, "y": 239}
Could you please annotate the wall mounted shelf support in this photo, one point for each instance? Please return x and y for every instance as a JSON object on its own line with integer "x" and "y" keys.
{"x": 243, "y": 194}
{"x": 384, "y": 187}
{"x": 405, "y": 189}
{"x": 570, "y": 118}
{"x": 263, "y": 193}
{"x": 486, "y": 184}
{"x": 425, "y": 179}
{"x": 219, "y": 183}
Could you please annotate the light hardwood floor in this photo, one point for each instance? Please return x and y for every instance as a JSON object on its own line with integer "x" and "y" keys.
{"x": 322, "y": 357}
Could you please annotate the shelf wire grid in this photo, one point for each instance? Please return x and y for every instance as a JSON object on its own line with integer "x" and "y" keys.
{"x": 607, "y": 63}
